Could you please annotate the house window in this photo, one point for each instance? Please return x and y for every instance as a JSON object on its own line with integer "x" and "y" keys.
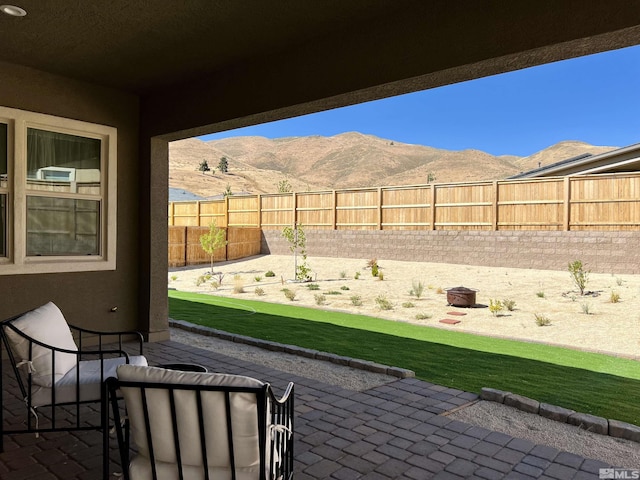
{"x": 57, "y": 194}
{"x": 3, "y": 189}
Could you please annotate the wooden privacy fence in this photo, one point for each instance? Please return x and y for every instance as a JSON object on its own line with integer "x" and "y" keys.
{"x": 590, "y": 202}
{"x": 185, "y": 249}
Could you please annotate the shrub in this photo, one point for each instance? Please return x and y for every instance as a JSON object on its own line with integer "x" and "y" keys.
{"x": 344, "y": 287}
{"x": 373, "y": 265}
{"x": 579, "y": 275}
{"x": 423, "y": 316}
{"x": 614, "y": 297}
{"x": 541, "y": 320}
{"x": 356, "y": 300}
{"x": 257, "y": 278}
{"x": 440, "y": 290}
{"x": 238, "y": 284}
{"x": 408, "y": 305}
{"x": 215, "y": 284}
{"x": 495, "y": 306}
{"x": 586, "y": 308}
{"x": 290, "y": 294}
{"x": 270, "y": 274}
{"x": 509, "y": 304}
{"x": 201, "y": 279}
{"x": 356, "y": 275}
{"x": 343, "y": 274}
{"x": 417, "y": 289}
{"x": 380, "y": 275}
{"x": 320, "y": 299}
{"x": 313, "y": 286}
{"x": 333, "y": 292}
{"x": 619, "y": 281}
{"x": 540, "y": 294}
{"x": 384, "y": 303}
{"x": 173, "y": 278}
{"x": 259, "y": 291}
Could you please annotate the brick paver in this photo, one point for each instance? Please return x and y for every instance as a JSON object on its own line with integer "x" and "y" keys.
{"x": 394, "y": 431}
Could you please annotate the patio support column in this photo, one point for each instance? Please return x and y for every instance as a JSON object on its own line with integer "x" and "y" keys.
{"x": 153, "y": 264}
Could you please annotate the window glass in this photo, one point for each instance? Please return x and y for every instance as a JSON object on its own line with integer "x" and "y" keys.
{"x": 58, "y": 162}
{"x": 3, "y": 225}
{"x": 3, "y": 184}
{"x": 3, "y": 155}
{"x": 62, "y": 226}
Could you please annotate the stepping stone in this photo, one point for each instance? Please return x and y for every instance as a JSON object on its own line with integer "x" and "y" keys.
{"x": 456, "y": 314}
{"x": 450, "y": 321}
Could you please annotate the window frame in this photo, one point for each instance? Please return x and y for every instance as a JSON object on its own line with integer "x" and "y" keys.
{"x": 17, "y": 261}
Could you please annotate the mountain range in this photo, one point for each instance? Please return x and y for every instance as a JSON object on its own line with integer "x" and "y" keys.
{"x": 348, "y": 160}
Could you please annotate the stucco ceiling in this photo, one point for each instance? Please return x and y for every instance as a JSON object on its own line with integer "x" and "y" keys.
{"x": 146, "y": 45}
{"x": 205, "y": 65}
{"x": 143, "y": 45}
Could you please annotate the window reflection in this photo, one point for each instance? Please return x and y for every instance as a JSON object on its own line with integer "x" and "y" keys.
{"x": 58, "y": 162}
{"x": 62, "y": 226}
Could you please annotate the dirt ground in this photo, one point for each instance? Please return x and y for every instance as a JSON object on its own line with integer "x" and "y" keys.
{"x": 590, "y": 322}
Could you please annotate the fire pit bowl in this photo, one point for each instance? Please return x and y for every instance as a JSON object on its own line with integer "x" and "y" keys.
{"x": 461, "y": 296}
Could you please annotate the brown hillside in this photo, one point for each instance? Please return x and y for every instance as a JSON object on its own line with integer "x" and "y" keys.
{"x": 560, "y": 151}
{"x": 349, "y": 160}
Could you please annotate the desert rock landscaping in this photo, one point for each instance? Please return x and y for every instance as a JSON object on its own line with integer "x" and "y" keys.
{"x": 529, "y": 305}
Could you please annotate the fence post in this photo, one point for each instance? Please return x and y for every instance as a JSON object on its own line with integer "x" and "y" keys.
{"x": 172, "y": 213}
{"x": 185, "y": 253}
{"x": 379, "y": 208}
{"x": 494, "y": 207}
{"x": 295, "y": 209}
{"x": 334, "y": 219}
{"x": 567, "y": 204}
{"x": 198, "y": 220}
{"x": 432, "y": 201}
{"x": 226, "y": 210}
{"x": 259, "y": 207}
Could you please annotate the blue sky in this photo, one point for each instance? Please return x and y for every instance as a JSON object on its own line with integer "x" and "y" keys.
{"x": 595, "y": 99}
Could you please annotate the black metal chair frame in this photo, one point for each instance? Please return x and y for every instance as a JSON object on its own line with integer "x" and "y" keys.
{"x": 50, "y": 410}
{"x": 278, "y": 411}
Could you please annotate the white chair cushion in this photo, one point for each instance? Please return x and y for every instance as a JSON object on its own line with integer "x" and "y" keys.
{"x": 90, "y": 385}
{"x": 47, "y": 325}
{"x": 244, "y": 423}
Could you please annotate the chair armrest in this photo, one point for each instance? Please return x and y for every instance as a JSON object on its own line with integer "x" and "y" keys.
{"x": 285, "y": 397}
{"x": 137, "y": 336}
{"x": 101, "y": 351}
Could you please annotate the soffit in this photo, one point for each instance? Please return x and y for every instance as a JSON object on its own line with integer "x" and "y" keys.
{"x": 145, "y": 45}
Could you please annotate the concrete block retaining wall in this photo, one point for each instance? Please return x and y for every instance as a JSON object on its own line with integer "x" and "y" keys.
{"x": 602, "y": 252}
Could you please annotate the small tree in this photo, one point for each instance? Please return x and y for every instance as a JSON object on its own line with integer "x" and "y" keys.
{"x": 579, "y": 275}
{"x": 227, "y": 192}
{"x": 213, "y": 240}
{"x": 223, "y": 165}
{"x": 204, "y": 167}
{"x": 297, "y": 242}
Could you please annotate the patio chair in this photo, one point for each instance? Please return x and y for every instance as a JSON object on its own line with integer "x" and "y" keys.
{"x": 58, "y": 380}
{"x": 187, "y": 425}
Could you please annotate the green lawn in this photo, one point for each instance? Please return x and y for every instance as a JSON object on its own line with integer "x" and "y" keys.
{"x": 586, "y": 382}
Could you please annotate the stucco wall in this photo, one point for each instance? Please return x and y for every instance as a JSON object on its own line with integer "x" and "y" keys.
{"x": 86, "y": 298}
{"x": 604, "y": 252}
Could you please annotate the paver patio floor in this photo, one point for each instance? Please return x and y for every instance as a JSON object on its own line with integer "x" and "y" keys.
{"x": 394, "y": 431}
